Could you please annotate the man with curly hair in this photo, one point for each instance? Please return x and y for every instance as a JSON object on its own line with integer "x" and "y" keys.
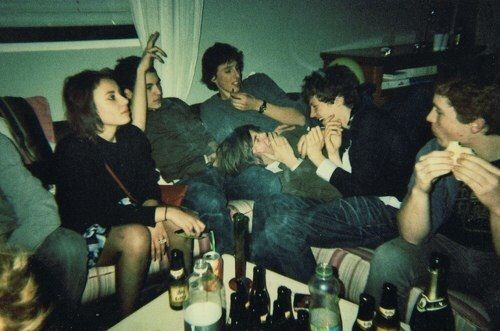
{"x": 452, "y": 205}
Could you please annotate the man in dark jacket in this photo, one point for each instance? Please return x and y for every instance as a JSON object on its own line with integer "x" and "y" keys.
{"x": 368, "y": 160}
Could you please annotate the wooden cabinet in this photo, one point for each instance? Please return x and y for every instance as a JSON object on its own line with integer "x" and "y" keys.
{"x": 375, "y": 63}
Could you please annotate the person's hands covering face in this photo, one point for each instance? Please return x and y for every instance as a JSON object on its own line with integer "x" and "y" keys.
{"x": 314, "y": 144}
{"x": 282, "y": 151}
{"x": 333, "y": 137}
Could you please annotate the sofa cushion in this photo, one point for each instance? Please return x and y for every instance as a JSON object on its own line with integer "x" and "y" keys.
{"x": 42, "y": 110}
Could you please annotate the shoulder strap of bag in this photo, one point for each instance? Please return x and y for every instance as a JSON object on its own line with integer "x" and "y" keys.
{"x": 120, "y": 184}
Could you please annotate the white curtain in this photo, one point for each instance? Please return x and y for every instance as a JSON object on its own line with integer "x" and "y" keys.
{"x": 179, "y": 24}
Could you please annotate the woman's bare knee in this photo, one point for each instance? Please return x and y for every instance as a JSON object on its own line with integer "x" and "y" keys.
{"x": 132, "y": 238}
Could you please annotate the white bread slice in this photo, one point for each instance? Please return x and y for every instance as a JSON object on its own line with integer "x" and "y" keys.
{"x": 454, "y": 146}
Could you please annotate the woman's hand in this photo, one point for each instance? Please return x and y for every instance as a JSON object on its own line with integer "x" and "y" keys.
{"x": 315, "y": 143}
{"x": 333, "y": 139}
{"x": 151, "y": 52}
{"x": 186, "y": 220}
{"x": 282, "y": 151}
{"x": 159, "y": 241}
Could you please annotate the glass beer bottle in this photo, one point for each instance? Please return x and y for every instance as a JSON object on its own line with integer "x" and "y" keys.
{"x": 278, "y": 321}
{"x": 203, "y": 306}
{"x": 285, "y": 299}
{"x": 302, "y": 323}
{"x": 324, "y": 307}
{"x": 387, "y": 316}
{"x": 177, "y": 287}
{"x": 259, "y": 299}
{"x": 238, "y": 317}
{"x": 433, "y": 311}
{"x": 364, "y": 319}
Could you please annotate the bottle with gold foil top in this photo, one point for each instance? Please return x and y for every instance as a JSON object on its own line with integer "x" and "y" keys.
{"x": 177, "y": 288}
{"x": 433, "y": 311}
{"x": 364, "y": 319}
{"x": 387, "y": 316}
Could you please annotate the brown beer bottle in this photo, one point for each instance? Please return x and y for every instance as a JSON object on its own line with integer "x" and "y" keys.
{"x": 302, "y": 323}
{"x": 259, "y": 300}
{"x": 433, "y": 311}
{"x": 238, "y": 317}
{"x": 177, "y": 287}
{"x": 285, "y": 300}
{"x": 364, "y": 320}
{"x": 387, "y": 316}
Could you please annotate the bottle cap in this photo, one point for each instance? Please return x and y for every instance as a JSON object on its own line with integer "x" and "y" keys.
{"x": 438, "y": 261}
{"x": 239, "y": 217}
{"x": 365, "y": 297}
{"x": 284, "y": 291}
{"x": 324, "y": 270}
{"x": 303, "y": 315}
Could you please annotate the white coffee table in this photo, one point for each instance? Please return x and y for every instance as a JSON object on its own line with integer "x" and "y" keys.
{"x": 157, "y": 314}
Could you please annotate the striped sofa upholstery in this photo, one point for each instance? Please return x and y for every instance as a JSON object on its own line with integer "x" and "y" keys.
{"x": 353, "y": 265}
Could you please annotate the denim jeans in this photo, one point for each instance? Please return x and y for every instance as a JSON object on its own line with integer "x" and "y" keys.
{"x": 405, "y": 265}
{"x": 60, "y": 264}
{"x": 209, "y": 193}
{"x": 293, "y": 224}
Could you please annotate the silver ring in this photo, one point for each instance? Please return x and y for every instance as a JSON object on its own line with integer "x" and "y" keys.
{"x": 162, "y": 241}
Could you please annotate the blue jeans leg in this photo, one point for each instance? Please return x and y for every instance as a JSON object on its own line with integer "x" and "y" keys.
{"x": 210, "y": 203}
{"x": 279, "y": 242}
{"x": 61, "y": 264}
{"x": 350, "y": 222}
{"x": 303, "y": 223}
{"x": 252, "y": 183}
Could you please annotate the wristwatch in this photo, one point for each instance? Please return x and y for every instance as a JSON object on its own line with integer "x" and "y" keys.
{"x": 263, "y": 107}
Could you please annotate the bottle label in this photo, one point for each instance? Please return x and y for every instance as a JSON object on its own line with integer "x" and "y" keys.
{"x": 387, "y": 312}
{"x": 177, "y": 273}
{"x": 364, "y": 324}
{"x": 425, "y": 304}
{"x": 177, "y": 294}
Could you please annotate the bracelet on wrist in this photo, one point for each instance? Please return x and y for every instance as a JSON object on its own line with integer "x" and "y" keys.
{"x": 263, "y": 107}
